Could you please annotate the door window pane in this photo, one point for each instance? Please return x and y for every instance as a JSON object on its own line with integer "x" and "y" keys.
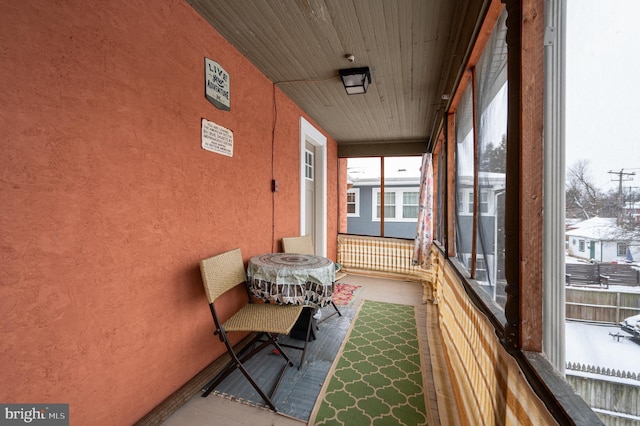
{"x": 308, "y": 165}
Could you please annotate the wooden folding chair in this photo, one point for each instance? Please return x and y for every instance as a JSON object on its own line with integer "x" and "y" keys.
{"x": 304, "y": 245}
{"x": 222, "y": 273}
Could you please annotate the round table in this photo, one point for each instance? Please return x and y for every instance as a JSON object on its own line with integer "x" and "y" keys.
{"x": 287, "y": 278}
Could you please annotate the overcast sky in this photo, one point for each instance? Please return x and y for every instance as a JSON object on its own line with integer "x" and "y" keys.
{"x": 603, "y": 94}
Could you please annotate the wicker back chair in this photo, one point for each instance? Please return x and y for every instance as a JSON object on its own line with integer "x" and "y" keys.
{"x": 222, "y": 273}
{"x": 300, "y": 245}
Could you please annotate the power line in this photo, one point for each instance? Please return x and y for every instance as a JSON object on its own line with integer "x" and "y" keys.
{"x": 622, "y": 177}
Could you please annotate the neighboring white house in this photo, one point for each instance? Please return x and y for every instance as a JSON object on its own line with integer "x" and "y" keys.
{"x": 600, "y": 239}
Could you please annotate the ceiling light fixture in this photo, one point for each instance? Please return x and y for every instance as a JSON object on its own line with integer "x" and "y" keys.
{"x": 355, "y": 80}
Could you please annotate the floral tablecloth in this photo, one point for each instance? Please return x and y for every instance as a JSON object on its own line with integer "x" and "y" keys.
{"x": 286, "y": 278}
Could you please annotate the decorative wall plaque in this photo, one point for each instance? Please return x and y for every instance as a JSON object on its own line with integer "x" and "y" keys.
{"x": 216, "y": 138}
{"x": 217, "y": 85}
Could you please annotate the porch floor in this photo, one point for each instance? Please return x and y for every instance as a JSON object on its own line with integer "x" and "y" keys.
{"x": 300, "y": 388}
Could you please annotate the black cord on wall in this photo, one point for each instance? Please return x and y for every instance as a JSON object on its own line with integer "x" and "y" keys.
{"x": 273, "y": 188}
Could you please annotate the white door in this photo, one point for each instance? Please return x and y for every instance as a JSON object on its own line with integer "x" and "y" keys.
{"x": 313, "y": 186}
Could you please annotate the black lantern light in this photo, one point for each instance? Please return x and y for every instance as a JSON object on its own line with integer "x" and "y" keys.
{"x": 355, "y": 80}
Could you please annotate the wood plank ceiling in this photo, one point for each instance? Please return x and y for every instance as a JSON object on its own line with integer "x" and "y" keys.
{"x": 414, "y": 49}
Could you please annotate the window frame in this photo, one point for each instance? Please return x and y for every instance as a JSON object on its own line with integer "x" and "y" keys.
{"x": 398, "y": 205}
{"x": 465, "y": 200}
{"x": 356, "y": 193}
{"x": 309, "y": 165}
{"x": 624, "y": 247}
{"x": 535, "y": 179}
{"x": 415, "y": 205}
{"x": 483, "y": 201}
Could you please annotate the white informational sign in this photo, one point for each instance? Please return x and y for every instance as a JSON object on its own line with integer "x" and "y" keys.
{"x": 216, "y": 88}
{"x": 216, "y": 138}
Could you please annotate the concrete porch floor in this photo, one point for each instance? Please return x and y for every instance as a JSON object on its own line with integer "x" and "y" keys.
{"x": 216, "y": 409}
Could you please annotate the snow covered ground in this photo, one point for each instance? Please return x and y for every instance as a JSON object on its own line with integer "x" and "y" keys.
{"x": 591, "y": 344}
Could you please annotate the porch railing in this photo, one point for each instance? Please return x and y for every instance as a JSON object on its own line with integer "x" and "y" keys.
{"x": 384, "y": 257}
{"x": 377, "y": 255}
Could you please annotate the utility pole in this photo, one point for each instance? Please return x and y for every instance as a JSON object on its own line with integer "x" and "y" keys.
{"x": 622, "y": 177}
{"x": 631, "y": 199}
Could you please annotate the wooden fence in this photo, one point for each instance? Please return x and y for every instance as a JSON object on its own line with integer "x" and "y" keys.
{"x": 615, "y": 400}
{"x": 593, "y": 305}
{"x": 602, "y": 274}
{"x": 586, "y": 300}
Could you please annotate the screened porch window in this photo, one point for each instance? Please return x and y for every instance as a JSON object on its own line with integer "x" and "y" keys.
{"x": 392, "y": 214}
{"x": 480, "y": 166}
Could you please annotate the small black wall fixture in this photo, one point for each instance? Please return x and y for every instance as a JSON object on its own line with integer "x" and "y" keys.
{"x": 355, "y": 80}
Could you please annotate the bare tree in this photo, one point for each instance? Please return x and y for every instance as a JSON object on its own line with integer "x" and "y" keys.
{"x": 583, "y": 199}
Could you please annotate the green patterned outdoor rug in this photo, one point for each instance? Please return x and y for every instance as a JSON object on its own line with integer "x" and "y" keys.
{"x": 377, "y": 379}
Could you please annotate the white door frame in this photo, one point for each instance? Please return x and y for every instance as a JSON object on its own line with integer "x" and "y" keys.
{"x": 310, "y": 134}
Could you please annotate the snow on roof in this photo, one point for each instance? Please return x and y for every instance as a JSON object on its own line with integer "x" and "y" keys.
{"x": 596, "y": 228}
{"x": 571, "y": 222}
{"x": 595, "y": 221}
{"x": 571, "y": 259}
{"x": 632, "y": 205}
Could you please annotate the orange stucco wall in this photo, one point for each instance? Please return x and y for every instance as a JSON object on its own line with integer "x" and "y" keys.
{"x": 108, "y": 200}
